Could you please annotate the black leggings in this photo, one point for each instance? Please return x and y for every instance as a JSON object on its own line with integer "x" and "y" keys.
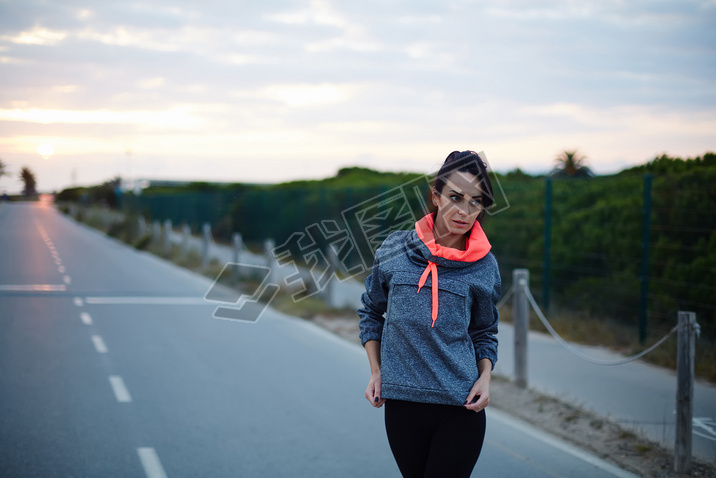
{"x": 430, "y": 440}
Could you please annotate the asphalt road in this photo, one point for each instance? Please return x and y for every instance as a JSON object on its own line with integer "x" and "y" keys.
{"x": 112, "y": 365}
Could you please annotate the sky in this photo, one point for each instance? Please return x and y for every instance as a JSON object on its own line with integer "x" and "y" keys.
{"x": 277, "y": 90}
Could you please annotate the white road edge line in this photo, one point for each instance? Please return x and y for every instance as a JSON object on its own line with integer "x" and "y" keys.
{"x": 120, "y": 390}
{"x": 99, "y": 344}
{"x": 559, "y": 444}
{"x": 150, "y": 461}
{"x": 86, "y": 318}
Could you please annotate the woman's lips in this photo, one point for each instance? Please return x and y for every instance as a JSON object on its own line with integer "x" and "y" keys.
{"x": 460, "y": 223}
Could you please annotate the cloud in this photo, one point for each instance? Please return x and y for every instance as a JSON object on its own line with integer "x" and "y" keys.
{"x": 65, "y": 88}
{"x": 301, "y": 95}
{"x": 177, "y": 117}
{"x": 319, "y": 12}
{"x": 382, "y": 83}
{"x": 151, "y": 83}
{"x": 36, "y": 36}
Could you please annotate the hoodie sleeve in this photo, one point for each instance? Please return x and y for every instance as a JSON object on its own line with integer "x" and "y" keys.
{"x": 375, "y": 302}
{"x": 485, "y": 317}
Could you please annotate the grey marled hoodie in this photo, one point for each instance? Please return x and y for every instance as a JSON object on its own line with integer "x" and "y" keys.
{"x": 424, "y": 360}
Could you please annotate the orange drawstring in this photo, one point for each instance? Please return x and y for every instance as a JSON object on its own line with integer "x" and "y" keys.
{"x": 431, "y": 269}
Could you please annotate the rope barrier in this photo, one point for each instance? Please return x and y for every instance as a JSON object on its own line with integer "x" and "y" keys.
{"x": 505, "y": 297}
{"x": 579, "y": 354}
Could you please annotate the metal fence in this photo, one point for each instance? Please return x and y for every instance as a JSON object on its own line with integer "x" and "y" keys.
{"x": 633, "y": 248}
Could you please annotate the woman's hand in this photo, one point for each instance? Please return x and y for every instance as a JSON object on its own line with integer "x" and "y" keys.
{"x": 480, "y": 391}
{"x": 372, "y": 393}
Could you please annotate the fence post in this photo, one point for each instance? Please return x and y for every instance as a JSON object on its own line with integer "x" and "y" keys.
{"x": 156, "y": 231}
{"x": 186, "y": 237}
{"x": 645, "y": 239}
{"x": 167, "y": 236}
{"x": 141, "y": 226}
{"x": 331, "y": 292}
{"x": 521, "y": 319}
{"x": 269, "y": 246}
{"x": 546, "y": 252}
{"x": 236, "y": 252}
{"x": 205, "y": 241}
{"x": 684, "y": 391}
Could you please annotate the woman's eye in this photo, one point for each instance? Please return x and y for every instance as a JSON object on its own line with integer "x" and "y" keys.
{"x": 455, "y": 198}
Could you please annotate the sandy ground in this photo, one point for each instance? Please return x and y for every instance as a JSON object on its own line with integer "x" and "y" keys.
{"x": 584, "y": 429}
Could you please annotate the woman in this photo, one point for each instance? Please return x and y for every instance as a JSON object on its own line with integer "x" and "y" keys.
{"x": 428, "y": 324}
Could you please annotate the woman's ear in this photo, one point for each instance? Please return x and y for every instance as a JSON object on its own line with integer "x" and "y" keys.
{"x": 435, "y": 196}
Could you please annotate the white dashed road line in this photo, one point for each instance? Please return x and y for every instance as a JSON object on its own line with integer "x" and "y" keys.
{"x": 150, "y": 461}
{"x": 99, "y": 344}
{"x": 53, "y": 252}
{"x": 120, "y": 389}
{"x": 148, "y": 456}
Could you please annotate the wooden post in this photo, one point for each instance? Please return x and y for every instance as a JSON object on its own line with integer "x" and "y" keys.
{"x": 141, "y": 226}
{"x": 205, "y": 241}
{"x": 269, "y": 246}
{"x": 521, "y": 320}
{"x": 684, "y": 391}
{"x": 236, "y": 253}
{"x": 156, "y": 231}
{"x": 167, "y": 236}
{"x": 330, "y": 292}
{"x": 186, "y": 237}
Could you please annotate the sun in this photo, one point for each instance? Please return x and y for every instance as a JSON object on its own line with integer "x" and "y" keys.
{"x": 46, "y": 150}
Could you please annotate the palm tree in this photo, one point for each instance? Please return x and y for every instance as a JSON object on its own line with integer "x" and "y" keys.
{"x": 571, "y": 164}
{"x": 30, "y": 184}
{"x": 3, "y": 172}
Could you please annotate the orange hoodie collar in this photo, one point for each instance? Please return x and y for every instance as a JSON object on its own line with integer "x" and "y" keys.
{"x": 477, "y": 244}
{"x": 477, "y": 247}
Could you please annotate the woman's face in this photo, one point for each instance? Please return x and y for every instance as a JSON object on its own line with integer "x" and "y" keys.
{"x": 459, "y": 204}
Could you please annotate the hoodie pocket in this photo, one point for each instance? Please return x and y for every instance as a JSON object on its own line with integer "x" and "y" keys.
{"x": 408, "y": 306}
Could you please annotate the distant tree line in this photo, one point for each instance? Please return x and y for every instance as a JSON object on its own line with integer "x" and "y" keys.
{"x": 105, "y": 194}
{"x": 596, "y": 237}
{"x": 596, "y": 248}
